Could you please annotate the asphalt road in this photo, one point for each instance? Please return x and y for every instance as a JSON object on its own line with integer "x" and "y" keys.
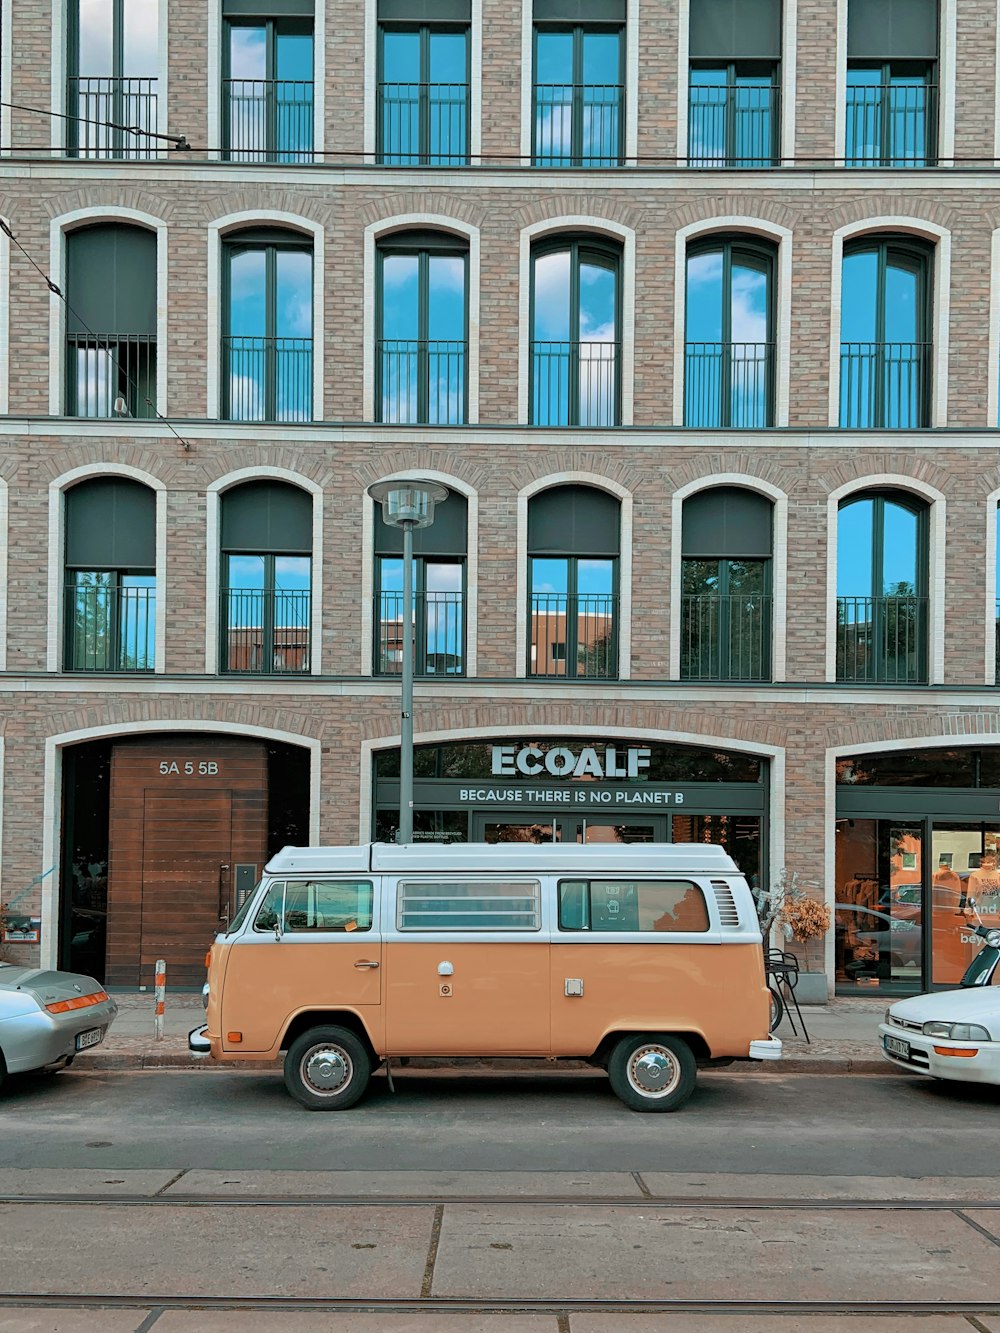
{"x": 762, "y": 1123}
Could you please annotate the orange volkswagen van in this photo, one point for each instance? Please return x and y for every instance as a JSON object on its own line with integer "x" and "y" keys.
{"x": 645, "y": 959}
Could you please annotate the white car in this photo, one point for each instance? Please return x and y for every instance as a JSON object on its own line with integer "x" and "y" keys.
{"x": 953, "y": 1034}
{"x": 47, "y": 1017}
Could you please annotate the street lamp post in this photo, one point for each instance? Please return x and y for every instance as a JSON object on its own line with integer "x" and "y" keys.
{"x": 407, "y": 505}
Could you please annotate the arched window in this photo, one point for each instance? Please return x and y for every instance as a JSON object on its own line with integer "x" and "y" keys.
{"x": 422, "y": 332}
{"x": 112, "y": 85}
{"x": 885, "y": 333}
{"x": 729, "y": 334}
{"x": 266, "y": 578}
{"x": 267, "y": 335}
{"x": 882, "y": 589}
{"x": 574, "y": 538}
{"x": 111, "y": 322}
{"x": 439, "y": 562}
{"x": 575, "y": 333}
{"x": 109, "y": 588}
{"x": 726, "y": 585}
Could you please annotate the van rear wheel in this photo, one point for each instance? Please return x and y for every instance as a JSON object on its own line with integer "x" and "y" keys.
{"x": 653, "y": 1073}
{"x": 327, "y": 1069}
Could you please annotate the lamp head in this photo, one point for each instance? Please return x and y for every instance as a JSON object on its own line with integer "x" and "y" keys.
{"x": 408, "y": 503}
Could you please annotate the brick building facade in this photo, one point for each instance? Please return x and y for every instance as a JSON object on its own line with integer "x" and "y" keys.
{"x": 859, "y": 418}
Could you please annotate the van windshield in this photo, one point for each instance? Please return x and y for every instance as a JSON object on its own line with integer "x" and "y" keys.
{"x": 244, "y": 909}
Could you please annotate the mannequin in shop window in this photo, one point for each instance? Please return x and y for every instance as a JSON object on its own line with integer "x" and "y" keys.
{"x": 948, "y": 887}
{"x": 983, "y": 884}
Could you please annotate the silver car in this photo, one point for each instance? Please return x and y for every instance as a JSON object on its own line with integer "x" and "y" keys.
{"x": 47, "y": 1017}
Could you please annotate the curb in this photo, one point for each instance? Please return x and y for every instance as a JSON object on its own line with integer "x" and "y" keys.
{"x": 148, "y": 1060}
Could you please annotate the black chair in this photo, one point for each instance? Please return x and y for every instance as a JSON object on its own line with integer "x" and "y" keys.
{"x": 783, "y": 970}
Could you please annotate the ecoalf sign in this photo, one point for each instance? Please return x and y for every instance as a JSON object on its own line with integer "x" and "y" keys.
{"x": 529, "y": 761}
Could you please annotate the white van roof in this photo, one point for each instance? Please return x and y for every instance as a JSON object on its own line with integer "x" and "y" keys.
{"x": 676, "y": 858}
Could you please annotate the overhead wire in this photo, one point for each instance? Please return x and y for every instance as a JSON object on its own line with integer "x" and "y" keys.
{"x": 56, "y": 290}
{"x": 178, "y": 140}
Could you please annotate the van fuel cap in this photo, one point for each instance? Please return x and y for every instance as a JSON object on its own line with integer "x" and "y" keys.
{"x": 445, "y": 970}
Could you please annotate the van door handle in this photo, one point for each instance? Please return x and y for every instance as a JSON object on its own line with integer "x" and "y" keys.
{"x": 366, "y": 962}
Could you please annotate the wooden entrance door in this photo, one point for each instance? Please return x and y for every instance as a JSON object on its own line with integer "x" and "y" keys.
{"x": 184, "y": 814}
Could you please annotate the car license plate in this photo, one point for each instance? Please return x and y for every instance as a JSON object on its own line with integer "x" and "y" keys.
{"x": 896, "y": 1046}
{"x": 91, "y": 1038}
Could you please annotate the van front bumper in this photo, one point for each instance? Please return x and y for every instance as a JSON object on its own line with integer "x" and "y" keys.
{"x": 767, "y": 1049}
{"x": 198, "y": 1040}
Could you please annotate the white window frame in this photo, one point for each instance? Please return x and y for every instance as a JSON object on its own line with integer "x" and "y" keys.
{"x": 56, "y": 621}
{"x": 213, "y": 562}
{"x": 377, "y": 232}
{"x": 727, "y": 227}
{"x": 946, "y": 92}
{"x": 624, "y": 625}
{"x": 779, "y": 564}
{"x": 573, "y": 226}
{"x": 218, "y": 232}
{"x": 940, "y": 296}
{"x": 59, "y": 229}
{"x": 936, "y": 544}
{"x": 471, "y": 496}
{"x": 788, "y": 81}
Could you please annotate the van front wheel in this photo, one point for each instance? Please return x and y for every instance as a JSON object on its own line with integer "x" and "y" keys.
{"x": 327, "y": 1069}
{"x": 653, "y": 1073}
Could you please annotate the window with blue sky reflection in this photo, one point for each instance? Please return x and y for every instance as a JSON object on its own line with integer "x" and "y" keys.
{"x": 113, "y": 68}
{"x": 575, "y": 340}
{"x": 881, "y": 589}
{"x": 268, "y": 90}
{"x": 729, "y": 346}
{"x": 422, "y": 332}
{"x": 423, "y": 113}
{"x": 885, "y": 348}
{"x": 733, "y": 115}
{"x": 267, "y": 342}
{"x": 438, "y": 617}
{"x": 891, "y": 115}
{"x": 579, "y": 97}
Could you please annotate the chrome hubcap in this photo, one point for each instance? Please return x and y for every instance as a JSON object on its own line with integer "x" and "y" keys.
{"x": 326, "y": 1069}
{"x": 653, "y": 1071}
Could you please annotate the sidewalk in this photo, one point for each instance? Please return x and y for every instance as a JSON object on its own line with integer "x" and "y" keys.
{"x": 844, "y": 1039}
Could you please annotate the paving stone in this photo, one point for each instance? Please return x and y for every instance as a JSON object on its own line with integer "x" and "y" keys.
{"x": 240, "y": 1321}
{"x": 723, "y": 1187}
{"x": 411, "y": 1184}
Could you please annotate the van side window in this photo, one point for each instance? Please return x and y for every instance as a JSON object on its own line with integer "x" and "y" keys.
{"x": 468, "y": 905}
{"x": 328, "y": 905}
{"x": 639, "y": 905}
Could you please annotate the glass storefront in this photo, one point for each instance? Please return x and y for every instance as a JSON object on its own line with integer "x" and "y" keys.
{"x": 917, "y": 846}
{"x": 580, "y": 789}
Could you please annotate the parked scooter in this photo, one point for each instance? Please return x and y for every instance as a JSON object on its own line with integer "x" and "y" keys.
{"x": 981, "y": 970}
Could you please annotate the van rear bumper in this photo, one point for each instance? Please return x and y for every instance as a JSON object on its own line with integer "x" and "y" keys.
{"x": 767, "y": 1049}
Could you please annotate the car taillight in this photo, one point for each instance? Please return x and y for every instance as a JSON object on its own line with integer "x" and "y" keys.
{"x": 80, "y": 1002}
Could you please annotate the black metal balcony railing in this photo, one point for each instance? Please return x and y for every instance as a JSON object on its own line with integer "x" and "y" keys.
{"x": 733, "y": 125}
{"x": 885, "y": 385}
{"x": 728, "y": 384}
{"x": 267, "y": 379}
{"x": 438, "y": 629}
{"x": 266, "y": 632}
{"x": 421, "y": 381}
{"x": 103, "y": 368}
{"x": 891, "y": 125}
{"x": 578, "y": 124}
{"x": 574, "y": 635}
{"x": 109, "y": 627}
{"x": 423, "y": 124}
{"x": 102, "y": 113}
{"x": 726, "y": 638}
{"x": 575, "y": 383}
{"x": 268, "y": 120}
{"x": 882, "y": 640}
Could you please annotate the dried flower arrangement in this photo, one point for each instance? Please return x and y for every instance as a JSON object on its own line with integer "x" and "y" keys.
{"x": 801, "y": 917}
{"x": 805, "y": 918}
